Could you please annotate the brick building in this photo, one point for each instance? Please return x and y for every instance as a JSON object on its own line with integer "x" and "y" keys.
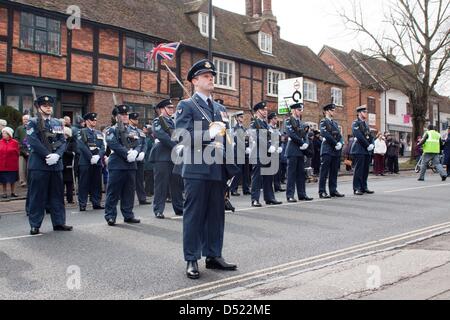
{"x": 83, "y": 67}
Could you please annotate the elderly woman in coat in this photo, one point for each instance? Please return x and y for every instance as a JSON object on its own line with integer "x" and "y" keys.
{"x": 9, "y": 161}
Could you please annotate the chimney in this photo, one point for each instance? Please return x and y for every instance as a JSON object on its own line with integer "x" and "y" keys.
{"x": 267, "y": 8}
{"x": 249, "y": 8}
{"x": 257, "y": 8}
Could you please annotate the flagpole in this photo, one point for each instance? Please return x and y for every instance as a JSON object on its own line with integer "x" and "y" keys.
{"x": 210, "y": 29}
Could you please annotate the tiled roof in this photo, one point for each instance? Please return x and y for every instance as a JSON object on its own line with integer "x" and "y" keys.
{"x": 168, "y": 20}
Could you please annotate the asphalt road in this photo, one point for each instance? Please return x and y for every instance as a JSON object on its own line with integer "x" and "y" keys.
{"x": 145, "y": 261}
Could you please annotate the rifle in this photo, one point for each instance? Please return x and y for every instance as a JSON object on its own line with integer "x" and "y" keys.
{"x": 123, "y": 135}
{"x": 296, "y": 128}
{"x": 44, "y": 135}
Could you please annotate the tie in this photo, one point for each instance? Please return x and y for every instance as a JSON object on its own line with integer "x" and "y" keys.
{"x": 47, "y": 123}
{"x": 211, "y": 108}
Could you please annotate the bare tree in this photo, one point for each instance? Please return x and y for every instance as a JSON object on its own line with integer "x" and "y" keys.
{"x": 417, "y": 32}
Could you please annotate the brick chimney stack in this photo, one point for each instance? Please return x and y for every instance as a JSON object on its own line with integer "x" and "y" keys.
{"x": 267, "y": 8}
{"x": 257, "y": 8}
{"x": 249, "y": 8}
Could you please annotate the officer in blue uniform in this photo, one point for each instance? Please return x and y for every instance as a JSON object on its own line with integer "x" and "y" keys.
{"x": 295, "y": 152}
{"x": 161, "y": 157}
{"x": 204, "y": 213}
{"x": 125, "y": 148}
{"x": 361, "y": 151}
{"x": 241, "y": 152}
{"x": 261, "y": 130}
{"x": 91, "y": 147}
{"x": 140, "y": 135}
{"x": 330, "y": 153}
{"x": 45, "y": 137}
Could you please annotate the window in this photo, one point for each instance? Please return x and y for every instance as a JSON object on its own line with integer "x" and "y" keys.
{"x": 265, "y": 42}
{"x": 392, "y": 107}
{"x": 310, "y": 91}
{"x": 225, "y": 74}
{"x": 409, "y": 109}
{"x": 371, "y": 105}
{"x": 336, "y": 95}
{"x": 272, "y": 81}
{"x": 203, "y": 24}
{"x": 136, "y": 54}
{"x": 40, "y": 34}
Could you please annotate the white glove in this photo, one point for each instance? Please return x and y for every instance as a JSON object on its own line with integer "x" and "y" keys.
{"x": 132, "y": 155}
{"x": 178, "y": 149}
{"x": 141, "y": 157}
{"x": 248, "y": 150}
{"x": 272, "y": 149}
{"x": 157, "y": 141}
{"x": 216, "y": 128}
{"x": 304, "y": 146}
{"x": 94, "y": 159}
{"x": 279, "y": 150}
{"x": 52, "y": 159}
{"x": 338, "y": 146}
{"x": 370, "y": 148}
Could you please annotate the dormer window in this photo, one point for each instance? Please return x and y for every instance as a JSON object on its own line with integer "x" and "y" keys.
{"x": 203, "y": 24}
{"x": 265, "y": 42}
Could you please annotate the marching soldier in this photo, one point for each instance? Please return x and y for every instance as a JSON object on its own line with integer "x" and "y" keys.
{"x": 295, "y": 152}
{"x": 91, "y": 147}
{"x": 273, "y": 125}
{"x": 161, "y": 157}
{"x": 45, "y": 136}
{"x": 261, "y": 128}
{"x": 121, "y": 139}
{"x": 361, "y": 150}
{"x": 330, "y": 153}
{"x": 241, "y": 152}
{"x": 139, "y": 135}
{"x": 204, "y": 212}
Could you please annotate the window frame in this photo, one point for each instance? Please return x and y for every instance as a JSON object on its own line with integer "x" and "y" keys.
{"x": 153, "y": 67}
{"x": 305, "y": 96}
{"x": 202, "y": 15}
{"x": 269, "y": 42}
{"x": 271, "y": 83}
{"x": 337, "y": 103}
{"x": 219, "y": 72}
{"x": 374, "y": 105}
{"x": 395, "y": 107}
{"x": 35, "y": 29}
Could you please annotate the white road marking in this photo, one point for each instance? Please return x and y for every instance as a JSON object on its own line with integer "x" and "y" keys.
{"x": 20, "y": 237}
{"x": 418, "y": 188}
{"x": 296, "y": 264}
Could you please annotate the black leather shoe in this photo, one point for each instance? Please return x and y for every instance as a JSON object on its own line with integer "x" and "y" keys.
{"x": 358, "y": 193}
{"x": 420, "y": 179}
{"x": 324, "y": 195}
{"x": 98, "y": 207}
{"x": 192, "y": 270}
{"x": 306, "y": 198}
{"x": 159, "y": 215}
{"x": 247, "y": 193}
{"x": 144, "y": 203}
{"x": 369, "y": 191}
{"x": 132, "y": 220}
{"x": 280, "y": 190}
{"x": 62, "y": 228}
{"x": 444, "y": 178}
{"x": 219, "y": 263}
{"x": 273, "y": 202}
{"x": 111, "y": 222}
{"x": 82, "y": 209}
{"x": 256, "y": 204}
{"x": 179, "y": 214}
{"x": 235, "y": 194}
{"x": 337, "y": 195}
{"x": 34, "y": 231}
{"x": 291, "y": 200}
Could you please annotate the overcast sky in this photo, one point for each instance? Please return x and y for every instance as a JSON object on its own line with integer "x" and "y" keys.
{"x": 316, "y": 23}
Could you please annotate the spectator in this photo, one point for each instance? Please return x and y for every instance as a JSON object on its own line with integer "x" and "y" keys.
{"x": 148, "y": 165}
{"x": 393, "y": 151}
{"x": 317, "y": 144}
{"x": 418, "y": 149}
{"x": 21, "y": 137}
{"x": 9, "y": 161}
{"x": 447, "y": 152}
{"x": 378, "y": 155}
{"x": 346, "y": 153}
{"x": 402, "y": 147}
{"x": 68, "y": 159}
{"x": 3, "y": 124}
{"x": 67, "y": 122}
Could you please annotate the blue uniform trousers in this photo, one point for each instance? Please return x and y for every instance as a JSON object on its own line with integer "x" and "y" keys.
{"x": 121, "y": 185}
{"x": 45, "y": 190}
{"x": 203, "y": 219}
{"x": 361, "y": 171}
{"x": 296, "y": 177}
{"x": 140, "y": 189}
{"x": 258, "y": 181}
{"x": 242, "y": 176}
{"x": 165, "y": 180}
{"x": 90, "y": 182}
{"x": 329, "y": 169}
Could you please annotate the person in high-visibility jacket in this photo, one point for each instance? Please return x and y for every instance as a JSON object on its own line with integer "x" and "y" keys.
{"x": 431, "y": 143}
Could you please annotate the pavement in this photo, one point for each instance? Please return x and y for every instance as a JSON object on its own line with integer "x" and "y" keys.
{"x": 324, "y": 249}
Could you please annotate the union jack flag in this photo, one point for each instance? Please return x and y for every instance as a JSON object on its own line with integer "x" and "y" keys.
{"x": 164, "y": 51}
